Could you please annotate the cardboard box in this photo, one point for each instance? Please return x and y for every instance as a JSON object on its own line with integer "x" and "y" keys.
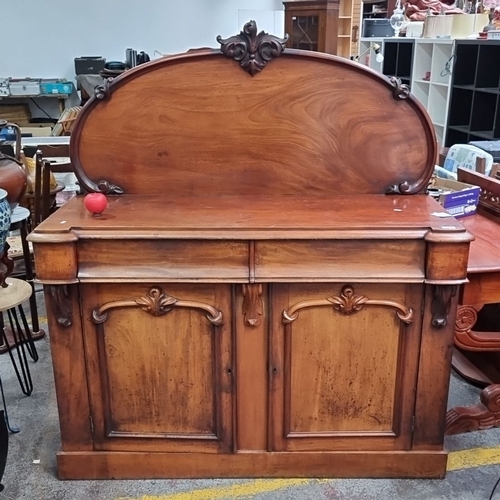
{"x": 37, "y": 131}
{"x": 458, "y": 198}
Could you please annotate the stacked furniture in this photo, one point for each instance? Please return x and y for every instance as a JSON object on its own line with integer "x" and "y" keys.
{"x": 270, "y": 292}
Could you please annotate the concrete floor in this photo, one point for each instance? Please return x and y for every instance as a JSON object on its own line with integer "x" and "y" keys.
{"x": 470, "y": 477}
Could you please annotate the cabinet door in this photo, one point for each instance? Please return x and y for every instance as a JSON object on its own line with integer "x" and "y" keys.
{"x": 343, "y": 366}
{"x": 159, "y": 366}
{"x": 304, "y": 29}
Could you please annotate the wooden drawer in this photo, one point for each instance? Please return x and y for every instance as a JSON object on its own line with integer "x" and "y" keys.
{"x": 339, "y": 260}
{"x": 157, "y": 260}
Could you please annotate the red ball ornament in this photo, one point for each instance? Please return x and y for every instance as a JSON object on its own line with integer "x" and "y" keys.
{"x": 95, "y": 203}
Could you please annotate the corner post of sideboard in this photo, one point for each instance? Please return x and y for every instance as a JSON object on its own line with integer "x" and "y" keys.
{"x": 438, "y": 327}
{"x": 446, "y": 270}
{"x": 68, "y": 354}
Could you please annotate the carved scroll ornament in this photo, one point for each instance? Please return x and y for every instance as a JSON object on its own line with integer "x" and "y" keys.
{"x": 61, "y": 304}
{"x": 466, "y": 338}
{"x": 489, "y": 199}
{"x": 252, "y": 50}
{"x": 348, "y": 302}
{"x": 252, "y": 304}
{"x": 441, "y": 304}
{"x": 400, "y": 91}
{"x": 156, "y": 303}
{"x": 103, "y": 91}
{"x": 482, "y": 416}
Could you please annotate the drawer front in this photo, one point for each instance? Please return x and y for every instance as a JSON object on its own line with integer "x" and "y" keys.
{"x": 157, "y": 260}
{"x": 339, "y": 260}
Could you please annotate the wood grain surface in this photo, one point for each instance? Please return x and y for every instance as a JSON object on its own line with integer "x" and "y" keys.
{"x": 309, "y": 123}
{"x": 262, "y": 217}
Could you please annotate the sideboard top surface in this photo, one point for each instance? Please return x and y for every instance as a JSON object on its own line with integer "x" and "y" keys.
{"x": 266, "y": 217}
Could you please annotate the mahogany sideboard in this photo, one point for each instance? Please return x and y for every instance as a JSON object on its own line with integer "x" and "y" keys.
{"x": 270, "y": 292}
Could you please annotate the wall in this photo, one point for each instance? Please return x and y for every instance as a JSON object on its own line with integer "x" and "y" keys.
{"x": 41, "y": 38}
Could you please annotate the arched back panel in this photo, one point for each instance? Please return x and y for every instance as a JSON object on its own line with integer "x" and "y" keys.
{"x": 308, "y": 124}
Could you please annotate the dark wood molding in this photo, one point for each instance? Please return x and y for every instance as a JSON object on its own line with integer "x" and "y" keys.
{"x": 156, "y": 303}
{"x": 441, "y": 304}
{"x": 348, "y": 302}
{"x": 253, "y": 51}
{"x": 484, "y": 415}
{"x": 253, "y": 307}
{"x": 61, "y": 304}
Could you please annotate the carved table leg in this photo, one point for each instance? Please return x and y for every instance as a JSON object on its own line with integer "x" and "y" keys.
{"x": 482, "y": 416}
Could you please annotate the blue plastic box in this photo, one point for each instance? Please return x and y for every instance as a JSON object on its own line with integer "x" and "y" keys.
{"x": 62, "y": 87}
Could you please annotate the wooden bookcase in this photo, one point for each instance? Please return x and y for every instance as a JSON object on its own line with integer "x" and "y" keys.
{"x": 474, "y": 105}
{"x": 331, "y": 26}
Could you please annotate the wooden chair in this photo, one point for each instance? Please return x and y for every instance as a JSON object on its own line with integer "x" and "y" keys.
{"x": 64, "y": 125}
{"x": 44, "y": 196}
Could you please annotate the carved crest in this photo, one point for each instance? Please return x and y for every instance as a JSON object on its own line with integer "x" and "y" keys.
{"x": 347, "y": 302}
{"x": 252, "y": 50}
{"x": 156, "y": 302}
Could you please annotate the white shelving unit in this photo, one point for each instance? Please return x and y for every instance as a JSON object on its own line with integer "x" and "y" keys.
{"x": 430, "y": 80}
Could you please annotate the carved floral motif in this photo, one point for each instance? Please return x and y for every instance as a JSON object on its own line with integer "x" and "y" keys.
{"x": 466, "y": 318}
{"x": 156, "y": 303}
{"x": 348, "y": 302}
{"x": 252, "y": 50}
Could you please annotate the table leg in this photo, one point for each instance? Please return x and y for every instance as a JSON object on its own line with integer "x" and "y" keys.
{"x": 473, "y": 361}
{"x": 484, "y": 415}
{"x": 37, "y": 333}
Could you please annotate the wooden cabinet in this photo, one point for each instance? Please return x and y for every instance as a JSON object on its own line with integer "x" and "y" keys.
{"x": 252, "y": 303}
{"x": 313, "y": 25}
{"x": 331, "y": 26}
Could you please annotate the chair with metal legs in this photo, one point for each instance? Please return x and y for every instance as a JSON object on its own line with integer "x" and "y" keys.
{"x": 12, "y": 296}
